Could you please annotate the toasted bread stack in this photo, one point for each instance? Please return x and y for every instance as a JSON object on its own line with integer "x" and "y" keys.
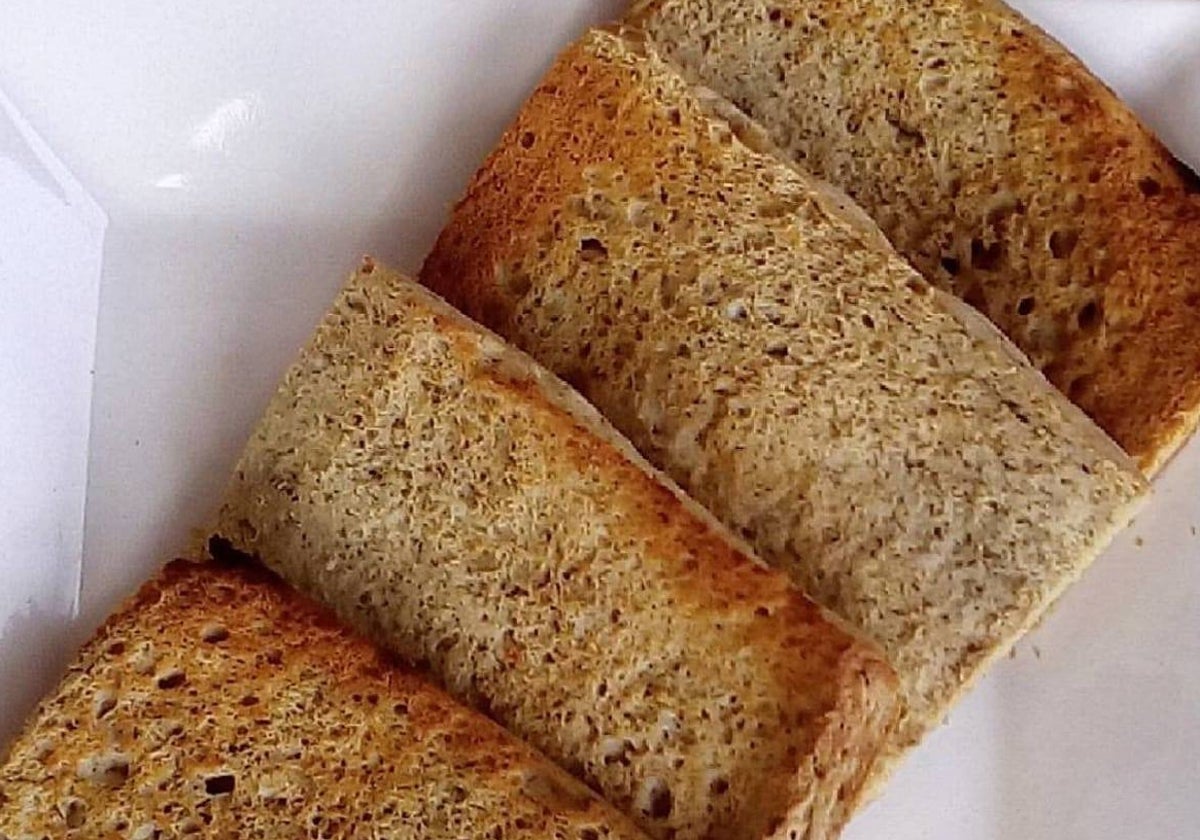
{"x": 758, "y": 506}
{"x": 865, "y": 432}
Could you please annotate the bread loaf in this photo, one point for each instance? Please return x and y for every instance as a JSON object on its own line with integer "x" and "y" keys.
{"x": 219, "y": 703}
{"x": 460, "y": 504}
{"x": 998, "y": 165}
{"x": 756, "y": 338}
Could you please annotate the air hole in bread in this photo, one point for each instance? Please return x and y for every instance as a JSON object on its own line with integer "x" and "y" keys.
{"x": 592, "y": 250}
{"x": 213, "y": 633}
{"x": 1150, "y": 187}
{"x": 1025, "y": 306}
{"x": 220, "y": 785}
{"x": 104, "y": 703}
{"x": 777, "y": 350}
{"x": 1062, "y": 243}
{"x": 169, "y": 728}
{"x": 986, "y": 257}
{"x": 655, "y": 799}
{"x": 528, "y": 138}
{"x": 868, "y": 321}
{"x": 589, "y": 834}
{"x": 73, "y": 811}
{"x": 171, "y": 678}
{"x": 950, "y": 265}
{"x": 1089, "y": 315}
{"x": 115, "y": 648}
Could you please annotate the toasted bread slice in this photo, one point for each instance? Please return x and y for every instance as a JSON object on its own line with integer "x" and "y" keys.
{"x": 755, "y": 337}
{"x": 998, "y": 165}
{"x": 462, "y": 505}
{"x": 220, "y": 703}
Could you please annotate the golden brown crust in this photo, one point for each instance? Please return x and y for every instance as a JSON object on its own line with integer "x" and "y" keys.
{"x": 999, "y": 166}
{"x": 1139, "y": 377}
{"x": 218, "y": 701}
{"x": 757, "y": 339}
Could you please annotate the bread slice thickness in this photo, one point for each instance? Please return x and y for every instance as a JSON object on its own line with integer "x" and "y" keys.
{"x": 756, "y": 338}
{"x": 463, "y": 506}
{"x": 220, "y": 703}
{"x": 998, "y": 165}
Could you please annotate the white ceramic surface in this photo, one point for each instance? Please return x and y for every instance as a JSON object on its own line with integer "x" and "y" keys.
{"x": 245, "y": 155}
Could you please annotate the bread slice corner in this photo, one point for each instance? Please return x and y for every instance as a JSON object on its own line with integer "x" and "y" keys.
{"x": 219, "y": 702}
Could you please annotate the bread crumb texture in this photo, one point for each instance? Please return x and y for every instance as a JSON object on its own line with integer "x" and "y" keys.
{"x": 998, "y": 165}
{"x": 758, "y": 340}
{"x": 219, "y": 703}
{"x": 457, "y": 502}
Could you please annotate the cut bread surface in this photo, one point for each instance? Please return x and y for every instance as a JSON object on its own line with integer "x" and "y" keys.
{"x": 758, "y": 340}
{"x": 220, "y": 703}
{"x": 998, "y": 165}
{"x": 460, "y": 504}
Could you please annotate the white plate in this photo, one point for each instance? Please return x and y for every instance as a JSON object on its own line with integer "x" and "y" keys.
{"x": 245, "y": 154}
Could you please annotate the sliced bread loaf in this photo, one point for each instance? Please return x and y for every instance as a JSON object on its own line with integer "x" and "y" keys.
{"x": 998, "y": 165}
{"x": 460, "y": 504}
{"x": 755, "y": 337}
{"x": 219, "y": 703}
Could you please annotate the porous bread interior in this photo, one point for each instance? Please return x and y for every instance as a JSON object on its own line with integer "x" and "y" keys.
{"x": 998, "y": 165}
{"x": 791, "y": 372}
{"x": 220, "y": 703}
{"x": 452, "y": 499}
